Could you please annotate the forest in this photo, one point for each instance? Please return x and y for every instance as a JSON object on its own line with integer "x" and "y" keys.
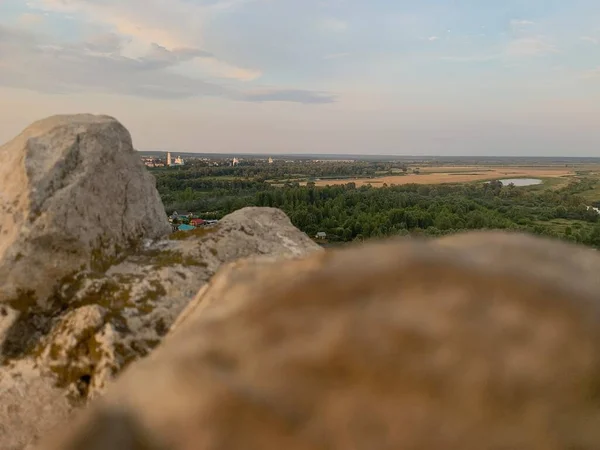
{"x": 305, "y": 170}
{"x": 347, "y": 213}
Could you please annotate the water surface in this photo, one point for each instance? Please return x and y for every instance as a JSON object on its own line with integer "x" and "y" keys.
{"x": 521, "y": 182}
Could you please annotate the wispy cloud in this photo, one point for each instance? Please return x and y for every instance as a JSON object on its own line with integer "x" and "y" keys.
{"x": 593, "y": 40}
{"x": 521, "y": 23}
{"x": 336, "y": 55}
{"x": 432, "y": 38}
{"x": 31, "y": 19}
{"x": 97, "y": 66}
{"x": 151, "y": 22}
{"x": 291, "y": 95}
{"x": 470, "y": 58}
{"x": 530, "y": 46}
{"x": 105, "y": 43}
{"x": 591, "y": 74}
{"x": 524, "y": 47}
{"x": 334, "y": 25}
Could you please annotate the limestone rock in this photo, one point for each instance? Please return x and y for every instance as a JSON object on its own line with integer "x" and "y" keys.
{"x": 260, "y": 231}
{"x": 478, "y": 342}
{"x": 73, "y": 193}
{"x": 123, "y": 314}
{"x": 132, "y": 305}
{"x": 80, "y": 351}
{"x": 117, "y": 316}
{"x": 30, "y": 405}
{"x": 89, "y": 279}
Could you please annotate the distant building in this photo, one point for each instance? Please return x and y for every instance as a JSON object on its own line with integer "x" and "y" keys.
{"x": 270, "y": 160}
{"x": 197, "y": 222}
{"x": 235, "y": 162}
{"x": 178, "y": 161}
{"x": 152, "y": 162}
{"x": 178, "y": 216}
{"x": 321, "y": 235}
{"x": 185, "y": 227}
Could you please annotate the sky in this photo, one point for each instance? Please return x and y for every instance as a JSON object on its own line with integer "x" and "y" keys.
{"x": 394, "y": 77}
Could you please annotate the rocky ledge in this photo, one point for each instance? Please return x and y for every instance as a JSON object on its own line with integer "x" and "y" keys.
{"x": 480, "y": 341}
{"x": 91, "y": 278}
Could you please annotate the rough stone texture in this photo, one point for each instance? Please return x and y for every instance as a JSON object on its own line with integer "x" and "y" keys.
{"x": 124, "y": 313}
{"x": 485, "y": 341}
{"x": 30, "y": 405}
{"x": 73, "y": 193}
{"x": 117, "y": 316}
{"x": 81, "y": 352}
{"x": 87, "y": 286}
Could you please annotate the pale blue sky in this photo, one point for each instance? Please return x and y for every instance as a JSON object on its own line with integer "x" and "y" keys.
{"x": 466, "y": 77}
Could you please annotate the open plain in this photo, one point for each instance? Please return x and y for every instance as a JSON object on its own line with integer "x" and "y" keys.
{"x": 459, "y": 174}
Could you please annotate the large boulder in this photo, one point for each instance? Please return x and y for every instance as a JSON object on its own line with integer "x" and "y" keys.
{"x": 112, "y": 318}
{"x": 484, "y": 341}
{"x": 121, "y": 315}
{"x": 73, "y": 194}
{"x": 89, "y": 279}
{"x": 30, "y": 405}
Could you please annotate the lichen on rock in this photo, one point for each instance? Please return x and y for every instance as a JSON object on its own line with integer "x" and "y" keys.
{"x": 475, "y": 342}
{"x": 77, "y": 353}
{"x": 90, "y": 278}
{"x": 74, "y": 194}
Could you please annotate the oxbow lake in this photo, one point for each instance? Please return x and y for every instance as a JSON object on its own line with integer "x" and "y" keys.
{"x": 521, "y": 181}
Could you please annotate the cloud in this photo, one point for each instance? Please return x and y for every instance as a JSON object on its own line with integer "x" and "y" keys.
{"x": 521, "y": 23}
{"x": 106, "y": 43}
{"x": 29, "y": 19}
{"x": 172, "y": 25}
{"x": 530, "y": 46}
{"x": 470, "y": 58}
{"x": 43, "y": 65}
{"x": 336, "y": 55}
{"x": 217, "y": 68}
{"x": 525, "y": 47}
{"x": 591, "y": 74}
{"x": 334, "y": 25}
{"x": 593, "y": 40}
{"x": 159, "y": 57}
{"x": 432, "y": 38}
{"x": 292, "y": 95}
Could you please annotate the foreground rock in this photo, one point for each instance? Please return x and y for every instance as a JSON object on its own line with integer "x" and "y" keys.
{"x": 123, "y": 314}
{"x": 118, "y": 316}
{"x": 89, "y": 279}
{"x": 73, "y": 194}
{"x": 484, "y": 341}
{"x": 30, "y": 405}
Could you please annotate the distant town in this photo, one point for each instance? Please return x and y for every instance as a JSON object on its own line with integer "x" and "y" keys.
{"x": 169, "y": 159}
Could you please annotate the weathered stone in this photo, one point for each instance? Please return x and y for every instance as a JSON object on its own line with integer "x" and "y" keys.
{"x": 87, "y": 286}
{"x": 118, "y": 316}
{"x": 80, "y": 351}
{"x": 141, "y": 297}
{"x": 73, "y": 194}
{"x": 478, "y": 342}
{"x": 30, "y": 405}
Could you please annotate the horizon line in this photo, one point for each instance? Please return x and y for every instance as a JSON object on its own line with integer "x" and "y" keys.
{"x": 366, "y": 155}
